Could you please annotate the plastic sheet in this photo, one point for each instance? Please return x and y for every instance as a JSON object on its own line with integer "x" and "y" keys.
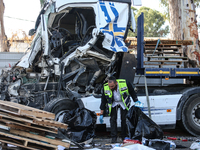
{"x": 159, "y": 144}
{"x": 133, "y": 147}
{"x": 156, "y": 142}
{"x": 81, "y": 124}
{"x": 195, "y": 145}
{"x": 140, "y": 125}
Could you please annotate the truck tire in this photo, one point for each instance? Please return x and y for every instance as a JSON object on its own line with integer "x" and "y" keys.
{"x": 59, "y": 106}
{"x": 191, "y": 115}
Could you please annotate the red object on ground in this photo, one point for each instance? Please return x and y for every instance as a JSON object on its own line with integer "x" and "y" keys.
{"x": 132, "y": 141}
{"x": 171, "y": 138}
{"x": 184, "y": 140}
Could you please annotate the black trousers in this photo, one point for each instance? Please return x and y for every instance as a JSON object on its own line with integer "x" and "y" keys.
{"x": 113, "y": 122}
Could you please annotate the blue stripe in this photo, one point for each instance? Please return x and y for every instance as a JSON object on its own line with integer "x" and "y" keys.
{"x": 116, "y": 40}
{"x": 104, "y": 9}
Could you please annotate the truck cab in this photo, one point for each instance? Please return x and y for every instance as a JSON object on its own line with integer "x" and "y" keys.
{"x": 77, "y": 46}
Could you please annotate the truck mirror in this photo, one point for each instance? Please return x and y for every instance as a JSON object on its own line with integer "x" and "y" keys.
{"x": 31, "y": 32}
{"x": 136, "y": 2}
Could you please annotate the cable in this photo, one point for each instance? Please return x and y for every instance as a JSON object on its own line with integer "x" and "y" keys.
{"x": 19, "y": 19}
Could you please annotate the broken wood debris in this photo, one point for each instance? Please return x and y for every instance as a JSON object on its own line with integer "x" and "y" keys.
{"x": 30, "y": 131}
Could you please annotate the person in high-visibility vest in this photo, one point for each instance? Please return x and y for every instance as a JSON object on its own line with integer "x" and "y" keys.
{"x": 116, "y": 94}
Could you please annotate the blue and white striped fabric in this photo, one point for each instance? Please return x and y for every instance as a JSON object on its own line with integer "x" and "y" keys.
{"x": 113, "y": 22}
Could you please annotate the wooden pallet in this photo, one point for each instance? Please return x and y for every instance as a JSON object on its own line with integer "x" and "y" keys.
{"x": 169, "y": 42}
{"x": 29, "y": 131}
{"x": 166, "y": 53}
{"x": 164, "y": 45}
{"x": 50, "y": 123}
{"x": 162, "y": 63}
{"x": 23, "y": 142}
{"x": 152, "y": 58}
{"x": 161, "y": 53}
{"x": 161, "y": 48}
{"x": 21, "y": 126}
{"x": 35, "y": 120}
{"x": 39, "y": 137}
{"x": 19, "y": 109}
{"x": 27, "y": 122}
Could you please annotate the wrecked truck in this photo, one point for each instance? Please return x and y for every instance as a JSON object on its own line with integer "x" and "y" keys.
{"x": 77, "y": 45}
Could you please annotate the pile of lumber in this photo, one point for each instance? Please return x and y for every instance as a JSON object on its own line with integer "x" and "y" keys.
{"x": 166, "y": 53}
{"x": 29, "y": 128}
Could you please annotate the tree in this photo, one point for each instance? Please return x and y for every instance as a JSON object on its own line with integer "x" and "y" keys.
{"x": 42, "y": 2}
{"x": 3, "y": 38}
{"x": 153, "y": 22}
{"x": 175, "y": 11}
{"x": 183, "y": 25}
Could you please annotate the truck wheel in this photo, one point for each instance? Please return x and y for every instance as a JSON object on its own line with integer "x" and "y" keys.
{"x": 59, "y": 106}
{"x": 191, "y": 115}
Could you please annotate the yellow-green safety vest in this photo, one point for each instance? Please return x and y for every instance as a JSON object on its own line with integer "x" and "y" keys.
{"x": 123, "y": 89}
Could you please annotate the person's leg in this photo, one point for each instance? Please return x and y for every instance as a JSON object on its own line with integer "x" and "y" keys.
{"x": 123, "y": 123}
{"x": 113, "y": 124}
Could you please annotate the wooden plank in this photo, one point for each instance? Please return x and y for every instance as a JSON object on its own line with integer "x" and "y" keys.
{"x": 165, "y": 61}
{"x": 31, "y": 127}
{"x": 161, "y": 48}
{"x": 35, "y": 147}
{"x": 182, "y": 42}
{"x": 24, "y": 110}
{"x": 164, "y": 64}
{"x": 168, "y": 57}
{"x": 50, "y": 123}
{"x": 161, "y": 52}
{"x": 178, "y": 45}
{"x": 162, "y": 41}
{"x": 33, "y": 136}
{"x": 20, "y": 141}
{"x": 18, "y": 127}
{"x": 24, "y": 120}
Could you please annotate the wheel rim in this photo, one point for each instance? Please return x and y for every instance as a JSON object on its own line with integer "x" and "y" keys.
{"x": 196, "y": 114}
{"x": 59, "y": 116}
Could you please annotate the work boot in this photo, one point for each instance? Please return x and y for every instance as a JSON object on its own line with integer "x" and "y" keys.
{"x": 114, "y": 140}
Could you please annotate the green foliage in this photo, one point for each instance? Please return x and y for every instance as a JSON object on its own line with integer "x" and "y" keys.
{"x": 197, "y": 3}
{"x": 42, "y": 2}
{"x": 165, "y": 5}
{"x": 153, "y": 22}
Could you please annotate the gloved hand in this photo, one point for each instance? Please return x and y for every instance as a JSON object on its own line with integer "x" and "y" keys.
{"x": 139, "y": 104}
{"x": 101, "y": 119}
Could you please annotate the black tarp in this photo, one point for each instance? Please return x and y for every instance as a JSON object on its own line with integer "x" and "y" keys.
{"x": 81, "y": 124}
{"x": 140, "y": 125}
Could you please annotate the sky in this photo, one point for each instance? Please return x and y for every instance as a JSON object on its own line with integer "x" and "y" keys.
{"x": 20, "y": 15}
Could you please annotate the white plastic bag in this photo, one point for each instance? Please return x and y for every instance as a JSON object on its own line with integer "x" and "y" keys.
{"x": 195, "y": 145}
{"x": 133, "y": 147}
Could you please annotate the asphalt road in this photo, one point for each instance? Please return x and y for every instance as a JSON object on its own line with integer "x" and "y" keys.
{"x": 103, "y": 140}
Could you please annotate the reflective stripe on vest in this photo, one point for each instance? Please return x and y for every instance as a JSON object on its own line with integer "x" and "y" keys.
{"x": 122, "y": 89}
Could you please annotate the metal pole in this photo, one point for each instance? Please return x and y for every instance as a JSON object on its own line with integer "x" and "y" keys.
{"x": 147, "y": 96}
